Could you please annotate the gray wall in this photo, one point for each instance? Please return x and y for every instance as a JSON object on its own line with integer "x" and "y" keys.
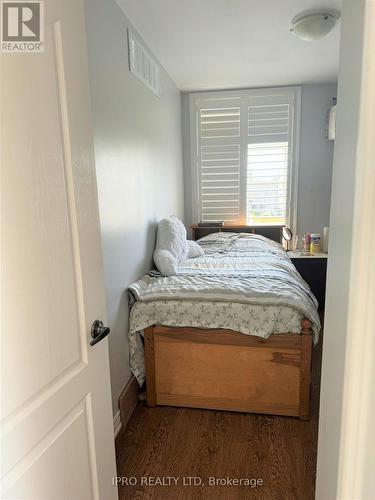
{"x": 316, "y": 159}
{"x": 138, "y": 154}
{"x": 316, "y": 155}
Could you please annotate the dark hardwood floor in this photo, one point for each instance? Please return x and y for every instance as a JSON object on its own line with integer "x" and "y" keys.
{"x": 167, "y": 442}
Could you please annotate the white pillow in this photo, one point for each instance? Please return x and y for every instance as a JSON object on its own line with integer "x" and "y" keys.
{"x": 165, "y": 262}
{"x": 171, "y": 245}
{"x": 194, "y": 250}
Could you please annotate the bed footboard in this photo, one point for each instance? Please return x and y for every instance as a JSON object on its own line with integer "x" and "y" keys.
{"x": 227, "y": 370}
{"x": 305, "y": 371}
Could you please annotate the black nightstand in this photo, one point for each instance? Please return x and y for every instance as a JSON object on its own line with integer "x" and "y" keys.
{"x": 313, "y": 269}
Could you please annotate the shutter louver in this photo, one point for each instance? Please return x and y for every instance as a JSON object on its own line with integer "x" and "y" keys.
{"x": 220, "y": 122}
{"x": 268, "y": 118}
{"x": 220, "y": 183}
{"x": 219, "y": 159}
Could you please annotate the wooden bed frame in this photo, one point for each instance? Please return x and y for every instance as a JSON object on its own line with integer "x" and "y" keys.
{"x": 227, "y": 370}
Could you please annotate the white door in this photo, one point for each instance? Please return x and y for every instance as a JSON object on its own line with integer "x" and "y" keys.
{"x": 57, "y": 432}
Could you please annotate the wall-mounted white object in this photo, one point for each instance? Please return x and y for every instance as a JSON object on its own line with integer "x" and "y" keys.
{"x": 331, "y": 133}
{"x": 311, "y": 26}
{"x": 143, "y": 65}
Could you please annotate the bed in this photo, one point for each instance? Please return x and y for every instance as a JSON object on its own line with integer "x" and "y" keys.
{"x": 232, "y": 330}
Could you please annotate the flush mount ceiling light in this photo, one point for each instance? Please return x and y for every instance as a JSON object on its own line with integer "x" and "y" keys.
{"x": 314, "y": 25}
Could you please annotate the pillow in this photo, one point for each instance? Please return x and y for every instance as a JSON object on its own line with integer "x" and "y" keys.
{"x": 171, "y": 246}
{"x": 194, "y": 250}
{"x": 165, "y": 262}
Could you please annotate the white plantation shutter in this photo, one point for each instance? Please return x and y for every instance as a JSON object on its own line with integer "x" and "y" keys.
{"x": 269, "y": 137}
{"x": 221, "y": 121}
{"x": 219, "y": 159}
{"x": 243, "y": 147}
{"x": 267, "y": 183}
{"x": 220, "y": 182}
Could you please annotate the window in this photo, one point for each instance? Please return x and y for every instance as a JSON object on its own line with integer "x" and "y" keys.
{"x": 267, "y": 183}
{"x": 244, "y": 155}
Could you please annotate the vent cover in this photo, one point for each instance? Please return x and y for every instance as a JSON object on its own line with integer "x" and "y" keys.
{"x": 142, "y": 65}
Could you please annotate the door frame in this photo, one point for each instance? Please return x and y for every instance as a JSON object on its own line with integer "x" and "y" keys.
{"x": 353, "y": 478}
{"x": 357, "y": 430}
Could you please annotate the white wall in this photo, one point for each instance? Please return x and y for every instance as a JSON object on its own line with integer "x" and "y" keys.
{"x": 138, "y": 155}
{"x": 316, "y": 156}
{"x": 341, "y": 247}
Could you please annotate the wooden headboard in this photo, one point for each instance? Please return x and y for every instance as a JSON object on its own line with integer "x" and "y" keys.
{"x": 272, "y": 232}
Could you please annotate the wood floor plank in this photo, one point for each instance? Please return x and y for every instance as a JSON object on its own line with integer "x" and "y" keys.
{"x": 184, "y": 442}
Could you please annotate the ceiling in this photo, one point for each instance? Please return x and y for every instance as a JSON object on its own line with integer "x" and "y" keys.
{"x": 217, "y": 44}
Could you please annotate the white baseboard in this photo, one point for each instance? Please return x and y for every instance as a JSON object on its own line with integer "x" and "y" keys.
{"x": 116, "y": 423}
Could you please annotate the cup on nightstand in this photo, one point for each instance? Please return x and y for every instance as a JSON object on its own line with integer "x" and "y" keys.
{"x": 297, "y": 244}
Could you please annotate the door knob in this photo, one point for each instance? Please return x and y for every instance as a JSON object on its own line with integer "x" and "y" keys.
{"x": 98, "y": 332}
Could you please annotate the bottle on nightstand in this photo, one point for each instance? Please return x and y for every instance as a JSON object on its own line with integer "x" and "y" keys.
{"x": 315, "y": 243}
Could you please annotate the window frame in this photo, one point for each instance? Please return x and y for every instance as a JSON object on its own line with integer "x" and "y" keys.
{"x": 294, "y": 94}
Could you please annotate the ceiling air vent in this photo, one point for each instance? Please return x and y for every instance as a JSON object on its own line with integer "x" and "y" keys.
{"x": 142, "y": 64}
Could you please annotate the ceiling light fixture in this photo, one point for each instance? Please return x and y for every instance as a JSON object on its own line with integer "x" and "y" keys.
{"x": 314, "y": 25}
